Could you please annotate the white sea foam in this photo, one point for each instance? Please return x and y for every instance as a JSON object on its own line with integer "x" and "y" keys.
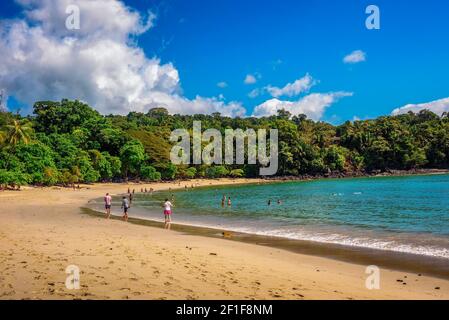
{"x": 325, "y": 237}
{"x": 362, "y": 242}
{"x": 425, "y": 245}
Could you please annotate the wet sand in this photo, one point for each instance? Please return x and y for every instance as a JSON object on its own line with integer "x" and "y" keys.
{"x": 43, "y": 231}
{"x": 419, "y": 264}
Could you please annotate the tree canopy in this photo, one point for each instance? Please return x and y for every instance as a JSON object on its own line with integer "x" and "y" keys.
{"x": 68, "y": 142}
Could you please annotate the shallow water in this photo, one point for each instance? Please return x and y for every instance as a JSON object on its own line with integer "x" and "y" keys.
{"x": 406, "y": 214}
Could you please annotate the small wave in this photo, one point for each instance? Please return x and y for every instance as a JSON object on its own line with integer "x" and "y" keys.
{"x": 370, "y": 243}
{"x": 331, "y": 238}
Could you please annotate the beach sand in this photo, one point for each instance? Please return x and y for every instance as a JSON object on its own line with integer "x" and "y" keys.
{"x": 42, "y": 231}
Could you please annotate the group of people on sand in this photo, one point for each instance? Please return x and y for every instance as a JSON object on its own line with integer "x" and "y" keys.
{"x": 223, "y": 201}
{"x": 126, "y": 204}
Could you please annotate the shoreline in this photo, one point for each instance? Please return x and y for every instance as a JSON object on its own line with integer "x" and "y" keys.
{"x": 431, "y": 265}
{"x": 262, "y": 179}
{"x": 42, "y": 232}
{"x": 399, "y": 261}
{"x": 341, "y": 175}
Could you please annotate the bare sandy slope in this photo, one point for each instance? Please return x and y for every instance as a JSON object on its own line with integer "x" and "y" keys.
{"x": 42, "y": 232}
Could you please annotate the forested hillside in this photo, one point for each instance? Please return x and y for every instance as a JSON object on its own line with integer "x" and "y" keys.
{"x": 69, "y": 142}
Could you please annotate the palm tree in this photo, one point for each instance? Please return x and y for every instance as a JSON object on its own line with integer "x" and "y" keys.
{"x": 15, "y": 132}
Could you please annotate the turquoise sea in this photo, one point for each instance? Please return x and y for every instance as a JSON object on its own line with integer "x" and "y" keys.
{"x": 406, "y": 214}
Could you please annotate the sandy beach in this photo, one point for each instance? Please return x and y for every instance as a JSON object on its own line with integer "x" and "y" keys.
{"x": 43, "y": 231}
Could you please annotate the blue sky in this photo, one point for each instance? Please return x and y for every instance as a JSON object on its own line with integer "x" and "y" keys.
{"x": 278, "y": 42}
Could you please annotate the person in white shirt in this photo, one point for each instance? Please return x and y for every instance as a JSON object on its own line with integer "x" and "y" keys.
{"x": 167, "y": 211}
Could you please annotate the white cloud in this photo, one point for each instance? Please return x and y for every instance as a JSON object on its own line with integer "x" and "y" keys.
{"x": 293, "y": 89}
{"x": 100, "y": 63}
{"x": 313, "y": 105}
{"x": 250, "y": 79}
{"x": 255, "y": 93}
{"x": 437, "y": 106}
{"x": 355, "y": 57}
{"x": 222, "y": 84}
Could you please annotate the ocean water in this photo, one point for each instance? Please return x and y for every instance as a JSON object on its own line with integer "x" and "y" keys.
{"x": 405, "y": 214}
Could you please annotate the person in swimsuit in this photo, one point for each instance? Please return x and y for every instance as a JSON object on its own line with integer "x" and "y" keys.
{"x": 107, "y": 205}
{"x": 167, "y": 212}
{"x": 125, "y": 207}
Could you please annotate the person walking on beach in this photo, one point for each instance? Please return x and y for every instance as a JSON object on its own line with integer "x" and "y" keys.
{"x": 167, "y": 212}
{"x": 130, "y": 198}
{"x": 229, "y": 201}
{"x": 223, "y": 200}
{"x": 125, "y": 207}
{"x": 107, "y": 205}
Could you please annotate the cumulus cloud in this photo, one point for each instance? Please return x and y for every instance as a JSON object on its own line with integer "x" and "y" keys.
{"x": 254, "y": 93}
{"x": 313, "y": 105}
{"x": 100, "y": 63}
{"x": 355, "y": 57}
{"x": 250, "y": 79}
{"x": 292, "y": 89}
{"x": 437, "y": 106}
{"x": 222, "y": 84}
